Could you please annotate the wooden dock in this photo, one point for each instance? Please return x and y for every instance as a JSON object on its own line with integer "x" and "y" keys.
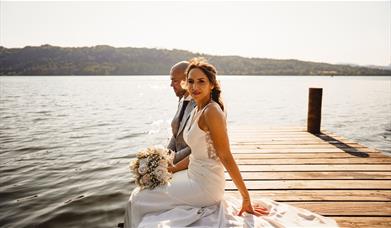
{"x": 324, "y": 173}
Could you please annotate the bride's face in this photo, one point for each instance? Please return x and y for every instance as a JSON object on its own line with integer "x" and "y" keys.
{"x": 199, "y": 85}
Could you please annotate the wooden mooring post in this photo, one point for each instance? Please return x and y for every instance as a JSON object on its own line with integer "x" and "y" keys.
{"x": 314, "y": 110}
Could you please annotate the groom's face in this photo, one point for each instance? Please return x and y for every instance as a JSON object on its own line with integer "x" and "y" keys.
{"x": 176, "y": 78}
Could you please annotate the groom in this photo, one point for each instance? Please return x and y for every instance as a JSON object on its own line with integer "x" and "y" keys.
{"x": 185, "y": 106}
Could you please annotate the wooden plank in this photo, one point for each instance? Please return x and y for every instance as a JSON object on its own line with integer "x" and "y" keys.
{"x": 261, "y": 129}
{"x": 287, "y": 142}
{"x": 296, "y": 151}
{"x": 282, "y": 143}
{"x": 278, "y": 146}
{"x": 294, "y": 143}
{"x": 299, "y": 150}
{"x": 270, "y": 141}
{"x": 317, "y": 195}
{"x": 314, "y": 161}
{"x": 364, "y": 222}
{"x": 314, "y": 175}
{"x": 247, "y": 137}
{"x": 314, "y": 184}
{"x": 295, "y": 167}
{"x": 268, "y": 129}
{"x": 274, "y": 134}
{"x": 254, "y": 134}
{"x": 276, "y": 142}
{"x": 249, "y": 145}
{"x": 347, "y": 208}
{"x": 301, "y": 155}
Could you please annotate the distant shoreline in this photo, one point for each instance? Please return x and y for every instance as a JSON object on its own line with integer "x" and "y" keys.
{"x": 106, "y": 60}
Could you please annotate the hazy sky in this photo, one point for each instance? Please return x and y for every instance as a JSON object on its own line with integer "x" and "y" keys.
{"x": 332, "y": 31}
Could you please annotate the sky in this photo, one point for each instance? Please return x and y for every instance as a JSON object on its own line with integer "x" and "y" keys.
{"x": 349, "y": 32}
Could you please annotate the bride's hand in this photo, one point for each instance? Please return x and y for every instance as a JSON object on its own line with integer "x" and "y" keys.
{"x": 171, "y": 168}
{"x": 252, "y": 209}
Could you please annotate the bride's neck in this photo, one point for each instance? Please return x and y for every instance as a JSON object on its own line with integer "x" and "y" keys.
{"x": 202, "y": 104}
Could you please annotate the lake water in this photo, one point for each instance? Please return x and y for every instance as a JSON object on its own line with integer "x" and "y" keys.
{"x": 65, "y": 142}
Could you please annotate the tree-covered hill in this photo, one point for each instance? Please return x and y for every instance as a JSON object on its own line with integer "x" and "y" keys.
{"x": 106, "y": 60}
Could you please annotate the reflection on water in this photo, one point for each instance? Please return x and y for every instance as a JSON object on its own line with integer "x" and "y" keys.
{"x": 65, "y": 142}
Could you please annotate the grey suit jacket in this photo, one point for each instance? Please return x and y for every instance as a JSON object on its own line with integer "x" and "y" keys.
{"x": 177, "y": 143}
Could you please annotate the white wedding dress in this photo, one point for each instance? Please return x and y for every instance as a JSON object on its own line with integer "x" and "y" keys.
{"x": 195, "y": 197}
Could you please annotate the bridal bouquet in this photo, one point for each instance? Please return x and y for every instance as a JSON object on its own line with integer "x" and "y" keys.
{"x": 150, "y": 167}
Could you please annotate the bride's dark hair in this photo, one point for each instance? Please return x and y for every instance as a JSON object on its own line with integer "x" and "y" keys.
{"x": 210, "y": 71}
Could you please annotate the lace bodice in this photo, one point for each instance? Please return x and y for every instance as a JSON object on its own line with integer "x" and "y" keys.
{"x": 211, "y": 149}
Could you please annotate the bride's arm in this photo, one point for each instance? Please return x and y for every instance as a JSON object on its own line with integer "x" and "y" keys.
{"x": 183, "y": 164}
{"x": 216, "y": 124}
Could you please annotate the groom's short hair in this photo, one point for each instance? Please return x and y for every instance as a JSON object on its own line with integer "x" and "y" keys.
{"x": 179, "y": 67}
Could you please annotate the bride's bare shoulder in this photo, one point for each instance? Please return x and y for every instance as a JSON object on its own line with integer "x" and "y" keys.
{"x": 213, "y": 111}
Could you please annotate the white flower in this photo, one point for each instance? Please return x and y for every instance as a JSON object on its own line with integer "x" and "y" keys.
{"x": 142, "y": 169}
{"x": 146, "y": 179}
{"x": 163, "y": 163}
{"x": 159, "y": 172}
{"x": 143, "y": 162}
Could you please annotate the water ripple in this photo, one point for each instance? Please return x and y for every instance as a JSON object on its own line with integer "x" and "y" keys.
{"x": 132, "y": 135}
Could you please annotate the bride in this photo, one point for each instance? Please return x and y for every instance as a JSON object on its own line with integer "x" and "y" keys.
{"x": 195, "y": 196}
